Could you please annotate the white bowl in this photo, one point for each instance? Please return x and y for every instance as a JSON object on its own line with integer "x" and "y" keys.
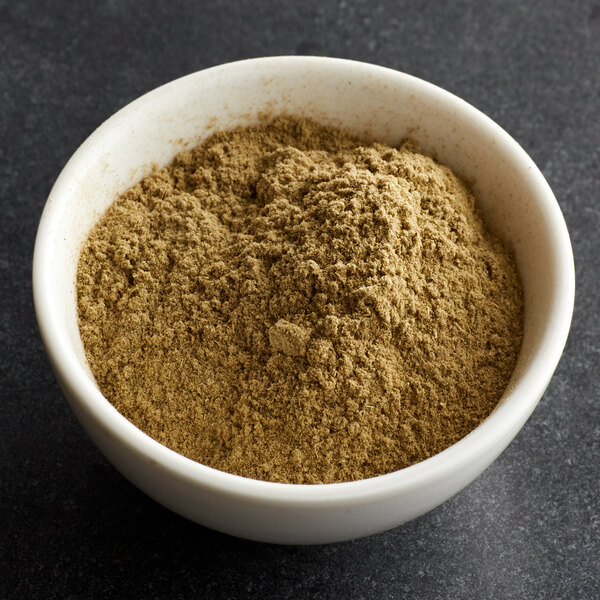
{"x": 514, "y": 198}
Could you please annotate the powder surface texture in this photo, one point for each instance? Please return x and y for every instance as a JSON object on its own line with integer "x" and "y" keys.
{"x": 291, "y": 304}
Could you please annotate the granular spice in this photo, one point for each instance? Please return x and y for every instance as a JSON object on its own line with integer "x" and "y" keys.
{"x": 291, "y": 304}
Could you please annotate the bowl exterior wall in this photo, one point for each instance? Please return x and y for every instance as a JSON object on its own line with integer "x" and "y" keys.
{"x": 263, "y": 520}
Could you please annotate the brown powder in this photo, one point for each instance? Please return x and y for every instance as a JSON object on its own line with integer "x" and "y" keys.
{"x": 290, "y": 304}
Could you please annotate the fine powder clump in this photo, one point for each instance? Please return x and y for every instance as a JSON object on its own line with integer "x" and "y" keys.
{"x": 288, "y": 303}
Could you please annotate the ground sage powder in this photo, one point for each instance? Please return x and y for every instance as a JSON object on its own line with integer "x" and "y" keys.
{"x": 288, "y": 303}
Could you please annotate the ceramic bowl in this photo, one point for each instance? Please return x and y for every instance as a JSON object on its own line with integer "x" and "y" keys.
{"x": 368, "y": 100}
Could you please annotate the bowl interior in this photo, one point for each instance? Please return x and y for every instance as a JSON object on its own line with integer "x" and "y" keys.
{"x": 373, "y": 102}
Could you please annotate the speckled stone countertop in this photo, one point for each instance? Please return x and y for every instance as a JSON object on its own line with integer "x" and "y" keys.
{"x": 72, "y": 527}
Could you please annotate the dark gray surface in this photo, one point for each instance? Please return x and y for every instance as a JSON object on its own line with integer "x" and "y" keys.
{"x": 72, "y": 527}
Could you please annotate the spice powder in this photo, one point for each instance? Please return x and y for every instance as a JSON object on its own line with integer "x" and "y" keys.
{"x": 288, "y": 303}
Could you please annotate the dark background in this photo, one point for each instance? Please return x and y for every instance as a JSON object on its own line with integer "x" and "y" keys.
{"x": 72, "y": 527}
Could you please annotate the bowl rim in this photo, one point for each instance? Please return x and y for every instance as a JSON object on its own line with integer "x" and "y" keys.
{"x": 504, "y": 421}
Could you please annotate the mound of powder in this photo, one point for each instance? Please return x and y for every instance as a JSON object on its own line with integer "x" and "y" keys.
{"x": 288, "y": 303}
